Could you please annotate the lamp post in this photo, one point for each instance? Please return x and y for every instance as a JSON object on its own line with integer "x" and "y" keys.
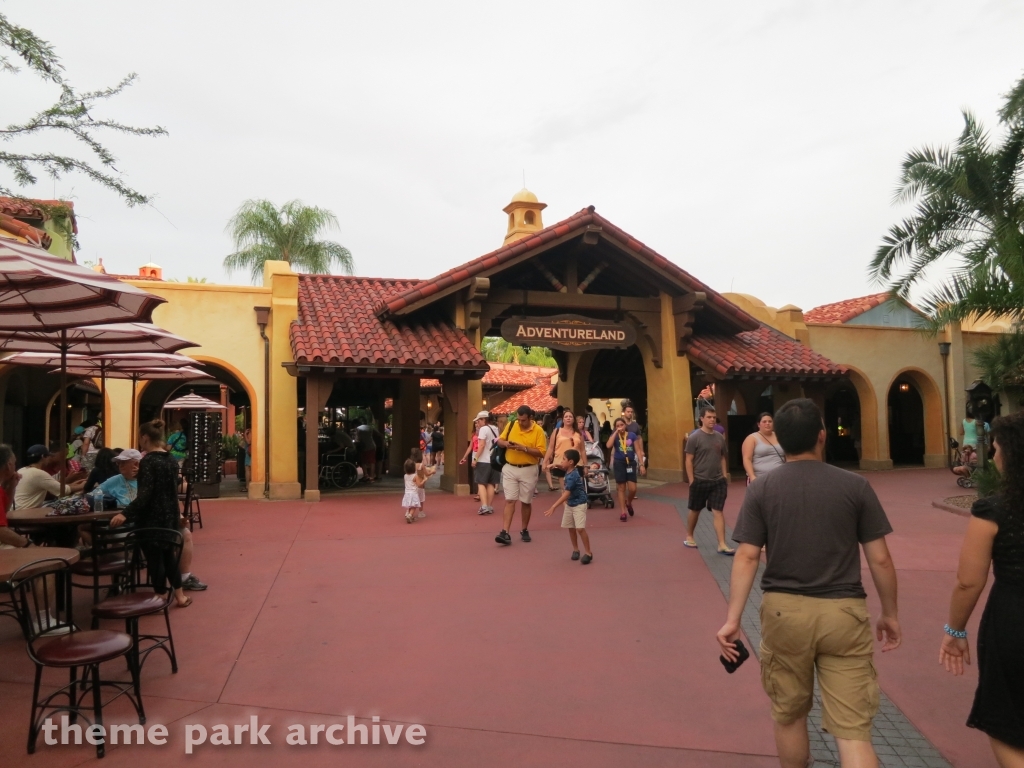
{"x": 944, "y": 351}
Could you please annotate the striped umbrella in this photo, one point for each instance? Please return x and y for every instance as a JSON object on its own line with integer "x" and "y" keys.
{"x": 91, "y": 340}
{"x": 42, "y": 292}
{"x": 142, "y": 373}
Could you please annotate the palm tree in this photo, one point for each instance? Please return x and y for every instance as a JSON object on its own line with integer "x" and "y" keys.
{"x": 969, "y": 218}
{"x": 263, "y": 232}
{"x": 500, "y": 351}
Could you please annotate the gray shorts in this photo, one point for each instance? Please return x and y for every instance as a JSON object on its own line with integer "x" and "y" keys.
{"x": 485, "y": 474}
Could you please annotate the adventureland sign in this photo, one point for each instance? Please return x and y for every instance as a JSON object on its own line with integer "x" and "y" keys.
{"x": 570, "y": 333}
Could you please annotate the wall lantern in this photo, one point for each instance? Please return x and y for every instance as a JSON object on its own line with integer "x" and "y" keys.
{"x": 904, "y": 387}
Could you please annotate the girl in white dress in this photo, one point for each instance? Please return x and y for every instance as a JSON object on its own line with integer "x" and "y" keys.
{"x": 413, "y": 483}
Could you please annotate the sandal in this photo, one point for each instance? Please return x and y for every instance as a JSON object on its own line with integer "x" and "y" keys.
{"x": 186, "y": 604}
{"x": 690, "y": 544}
{"x": 727, "y": 552}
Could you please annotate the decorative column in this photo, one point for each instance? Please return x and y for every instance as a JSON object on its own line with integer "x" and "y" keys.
{"x": 405, "y": 433}
{"x": 313, "y": 385}
{"x": 457, "y": 418}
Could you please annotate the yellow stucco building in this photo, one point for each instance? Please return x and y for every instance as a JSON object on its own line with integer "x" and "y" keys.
{"x": 623, "y": 321}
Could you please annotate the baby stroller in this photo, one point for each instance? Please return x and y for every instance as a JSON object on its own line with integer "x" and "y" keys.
{"x": 964, "y": 465}
{"x": 598, "y": 488}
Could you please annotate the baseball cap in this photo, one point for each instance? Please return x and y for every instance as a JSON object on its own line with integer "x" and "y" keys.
{"x": 79, "y": 430}
{"x": 482, "y": 415}
{"x": 129, "y": 454}
{"x": 36, "y": 452}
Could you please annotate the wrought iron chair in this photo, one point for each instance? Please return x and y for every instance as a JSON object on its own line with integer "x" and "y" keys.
{"x": 42, "y": 594}
{"x": 139, "y": 599}
{"x": 105, "y": 563}
{"x": 191, "y": 509}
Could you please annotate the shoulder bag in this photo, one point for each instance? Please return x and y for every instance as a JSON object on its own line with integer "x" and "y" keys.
{"x": 498, "y": 451}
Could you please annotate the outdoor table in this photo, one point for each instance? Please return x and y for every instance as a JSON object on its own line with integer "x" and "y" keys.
{"x": 59, "y": 530}
{"x": 13, "y": 559}
{"x": 39, "y": 517}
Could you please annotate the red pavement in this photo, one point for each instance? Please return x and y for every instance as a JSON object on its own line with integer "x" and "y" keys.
{"x": 514, "y": 656}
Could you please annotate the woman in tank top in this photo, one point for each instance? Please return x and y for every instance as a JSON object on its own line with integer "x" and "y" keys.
{"x": 562, "y": 439}
{"x": 761, "y": 450}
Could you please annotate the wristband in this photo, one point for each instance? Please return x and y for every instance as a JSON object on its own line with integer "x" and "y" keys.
{"x": 959, "y": 634}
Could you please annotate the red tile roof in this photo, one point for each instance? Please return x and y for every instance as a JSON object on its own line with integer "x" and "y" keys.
{"x": 22, "y": 208}
{"x": 503, "y": 376}
{"x": 423, "y": 289}
{"x": 27, "y": 231}
{"x": 764, "y": 352}
{"x": 538, "y": 398}
{"x": 843, "y": 311}
{"x": 337, "y": 326}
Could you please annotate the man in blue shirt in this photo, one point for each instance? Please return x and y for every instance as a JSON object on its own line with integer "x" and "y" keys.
{"x": 123, "y": 486}
{"x": 575, "y": 499}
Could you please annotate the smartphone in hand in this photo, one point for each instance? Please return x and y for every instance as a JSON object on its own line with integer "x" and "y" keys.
{"x": 732, "y": 666}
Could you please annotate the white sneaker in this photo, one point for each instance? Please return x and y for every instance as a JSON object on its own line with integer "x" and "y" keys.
{"x": 62, "y": 630}
{"x": 421, "y": 515}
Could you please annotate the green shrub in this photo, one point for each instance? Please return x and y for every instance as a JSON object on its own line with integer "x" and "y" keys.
{"x": 229, "y": 445}
{"x": 986, "y": 480}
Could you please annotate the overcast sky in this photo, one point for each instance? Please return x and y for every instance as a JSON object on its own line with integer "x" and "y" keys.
{"x": 755, "y": 144}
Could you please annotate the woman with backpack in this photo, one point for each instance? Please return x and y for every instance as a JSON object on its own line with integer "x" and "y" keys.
{"x": 485, "y": 474}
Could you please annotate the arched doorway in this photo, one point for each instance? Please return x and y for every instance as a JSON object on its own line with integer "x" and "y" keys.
{"x": 843, "y": 424}
{"x": 618, "y": 374}
{"x": 906, "y": 423}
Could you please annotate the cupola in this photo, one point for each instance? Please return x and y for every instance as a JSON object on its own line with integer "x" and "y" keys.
{"x": 524, "y": 216}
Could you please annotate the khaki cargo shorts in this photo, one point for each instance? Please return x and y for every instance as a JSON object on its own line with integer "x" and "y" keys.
{"x": 802, "y": 634}
{"x": 520, "y": 483}
{"x": 575, "y": 517}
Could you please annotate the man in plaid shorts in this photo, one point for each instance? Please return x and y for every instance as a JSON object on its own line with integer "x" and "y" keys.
{"x": 707, "y": 466}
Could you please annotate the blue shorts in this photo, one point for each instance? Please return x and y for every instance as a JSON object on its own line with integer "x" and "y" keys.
{"x": 623, "y": 472}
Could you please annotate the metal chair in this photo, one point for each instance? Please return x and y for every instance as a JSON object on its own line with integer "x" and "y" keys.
{"x": 42, "y": 594}
{"x": 139, "y": 599}
{"x": 191, "y": 509}
{"x": 106, "y": 558}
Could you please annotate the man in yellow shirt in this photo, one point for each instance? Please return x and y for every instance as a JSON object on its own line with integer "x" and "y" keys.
{"x": 526, "y": 445}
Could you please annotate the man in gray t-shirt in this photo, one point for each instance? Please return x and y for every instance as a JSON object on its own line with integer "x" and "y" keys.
{"x": 707, "y": 467}
{"x": 812, "y": 520}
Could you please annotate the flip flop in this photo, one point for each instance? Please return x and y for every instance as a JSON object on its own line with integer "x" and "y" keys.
{"x": 727, "y": 552}
{"x": 689, "y": 545}
{"x": 186, "y": 604}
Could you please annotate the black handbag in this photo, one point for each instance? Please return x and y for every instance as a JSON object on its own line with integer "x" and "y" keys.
{"x": 498, "y": 452}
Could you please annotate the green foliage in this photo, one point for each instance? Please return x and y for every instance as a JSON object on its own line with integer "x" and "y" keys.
{"x": 263, "y": 232}
{"x": 987, "y": 480}
{"x": 500, "y": 351}
{"x": 969, "y": 216}
{"x": 229, "y": 445}
{"x": 1002, "y": 363}
{"x": 70, "y": 117}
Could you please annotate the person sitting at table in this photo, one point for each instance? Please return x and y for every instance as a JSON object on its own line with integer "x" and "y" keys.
{"x": 123, "y": 486}
{"x": 103, "y": 470}
{"x": 9, "y": 478}
{"x": 37, "y": 478}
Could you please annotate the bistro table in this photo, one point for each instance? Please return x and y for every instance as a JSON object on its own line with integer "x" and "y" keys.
{"x": 13, "y": 559}
{"x": 40, "y": 517}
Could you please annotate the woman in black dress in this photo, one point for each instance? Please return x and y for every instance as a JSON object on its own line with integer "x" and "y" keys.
{"x": 995, "y": 535}
{"x": 156, "y": 506}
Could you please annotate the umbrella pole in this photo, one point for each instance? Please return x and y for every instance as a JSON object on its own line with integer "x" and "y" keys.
{"x": 103, "y": 400}
{"x": 63, "y": 408}
{"x": 131, "y": 442}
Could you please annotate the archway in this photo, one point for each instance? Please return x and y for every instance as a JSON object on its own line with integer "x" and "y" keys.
{"x": 618, "y": 374}
{"x": 906, "y": 423}
{"x": 229, "y": 387}
{"x": 933, "y": 452}
{"x": 843, "y": 424}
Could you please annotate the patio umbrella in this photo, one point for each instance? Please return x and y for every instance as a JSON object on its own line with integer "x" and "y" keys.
{"x": 42, "y": 292}
{"x": 92, "y": 340}
{"x": 143, "y": 374}
{"x": 193, "y": 402}
{"x": 100, "y": 365}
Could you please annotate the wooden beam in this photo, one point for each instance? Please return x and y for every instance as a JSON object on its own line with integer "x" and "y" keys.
{"x": 571, "y": 275}
{"x": 575, "y": 301}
